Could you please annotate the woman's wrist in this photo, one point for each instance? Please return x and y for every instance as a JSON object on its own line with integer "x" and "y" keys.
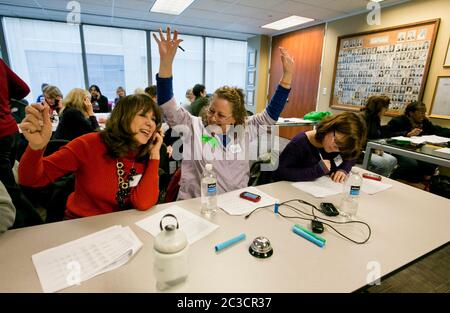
{"x": 154, "y": 155}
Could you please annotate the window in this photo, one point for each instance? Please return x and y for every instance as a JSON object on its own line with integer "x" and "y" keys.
{"x": 187, "y": 67}
{"x": 116, "y": 57}
{"x": 44, "y": 52}
{"x": 225, "y": 63}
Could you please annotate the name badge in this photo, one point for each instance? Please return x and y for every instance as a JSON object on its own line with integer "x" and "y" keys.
{"x": 235, "y": 148}
{"x": 338, "y": 160}
{"x": 135, "y": 180}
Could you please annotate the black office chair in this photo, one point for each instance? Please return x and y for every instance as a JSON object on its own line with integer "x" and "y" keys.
{"x": 52, "y": 197}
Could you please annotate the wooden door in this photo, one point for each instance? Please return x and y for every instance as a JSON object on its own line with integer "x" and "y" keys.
{"x": 306, "y": 47}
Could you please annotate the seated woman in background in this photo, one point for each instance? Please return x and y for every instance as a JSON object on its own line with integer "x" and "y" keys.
{"x": 229, "y": 150}
{"x": 332, "y": 148}
{"x": 414, "y": 122}
{"x": 77, "y": 116}
{"x": 53, "y": 98}
{"x": 120, "y": 92}
{"x": 380, "y": 162}
{"x": 99, "y": 101}
{"x": 115, "y": 169}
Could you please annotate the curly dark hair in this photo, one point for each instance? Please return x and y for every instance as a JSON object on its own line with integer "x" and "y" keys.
{"x": 415, "y": 106}
{"x": 117, "y": 134}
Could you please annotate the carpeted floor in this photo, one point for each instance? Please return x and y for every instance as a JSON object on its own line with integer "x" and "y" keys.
{"x": 431, "y": 274}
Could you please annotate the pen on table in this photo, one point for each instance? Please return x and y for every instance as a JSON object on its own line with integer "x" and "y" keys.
{"x": 181, "y": 48}
{"x": 308, "y": 237}
{"x": 230, "y": 242}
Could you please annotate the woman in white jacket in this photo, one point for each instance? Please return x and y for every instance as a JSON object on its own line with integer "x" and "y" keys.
{"x": 223, "y": 139}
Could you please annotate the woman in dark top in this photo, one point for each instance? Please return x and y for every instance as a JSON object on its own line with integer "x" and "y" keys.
{"x": 380, "y": 162}
{"x": 331, "y": 148}
{"x": 414, "y": 123}
{"x": 77, "y": 117}
{"x": 99, "y": 101}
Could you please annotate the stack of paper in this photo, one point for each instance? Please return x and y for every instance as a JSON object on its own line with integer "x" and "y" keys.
{"x": 432, "y": 139}
{"x": 444, "y": 152}
{"x": 325, "y": 187}
{"x": 235, "y": 205}
{"x": 195, "y": 227}
{"x": 81, "y": 259}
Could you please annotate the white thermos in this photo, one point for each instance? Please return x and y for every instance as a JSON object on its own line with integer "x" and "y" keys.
{"x": 171, "y": 255}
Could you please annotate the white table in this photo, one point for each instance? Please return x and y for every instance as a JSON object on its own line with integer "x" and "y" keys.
{"x": 406, "y": 223}
{"x": 425, "y": 153}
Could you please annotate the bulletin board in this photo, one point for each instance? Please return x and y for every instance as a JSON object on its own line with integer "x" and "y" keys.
{"x": 392, "y": 61}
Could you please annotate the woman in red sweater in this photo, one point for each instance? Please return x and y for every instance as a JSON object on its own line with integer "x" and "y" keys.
{"x": 115, "y": 169}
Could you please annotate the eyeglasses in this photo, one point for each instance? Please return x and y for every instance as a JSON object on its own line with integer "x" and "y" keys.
{"x": 220, "y": 117}
{"x": 334, "y": 140}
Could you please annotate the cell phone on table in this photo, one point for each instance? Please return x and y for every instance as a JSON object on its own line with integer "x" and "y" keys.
{"x": 250, "y": 196}
{"x": 329, "y": 209}
{"x": 372, "y": 176}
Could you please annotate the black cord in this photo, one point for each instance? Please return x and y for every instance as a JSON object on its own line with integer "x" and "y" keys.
{"x": 315, "y": 218}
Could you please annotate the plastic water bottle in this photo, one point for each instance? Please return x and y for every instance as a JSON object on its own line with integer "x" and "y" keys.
{"x": 350, "y": 198}
{"x": 209, "y": 191}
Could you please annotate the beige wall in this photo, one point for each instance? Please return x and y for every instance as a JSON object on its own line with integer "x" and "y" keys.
{"x": 410, "y": 12}
{"x": 262, "y": 45}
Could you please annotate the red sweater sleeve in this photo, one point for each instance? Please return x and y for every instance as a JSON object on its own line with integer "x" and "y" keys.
{"x": 145, "y": 195}
{"x": 18, "y": 89}
{"x": 37, "y": 171}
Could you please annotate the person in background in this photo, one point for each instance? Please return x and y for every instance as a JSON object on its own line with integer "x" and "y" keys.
{"x": 99, "y": 101}
{"x": 120, "y": 92}
{"x": 7, "y": 210}
{"x": 380, "y": 162}
{"x": 41, "y": 98}
{"x": 53, "y": 98}
{"x": 189, "y": 99}
{"x": 139, "y": 90}
{"x": 77, "y": 116}
{"x": 330, "y": 149}
{"x": 114, "y": 169}
{"x": 151, "y": 91}
{"x": 414, "y": 122}
{"x": 11, "y": 86}
{"x": 18, "y": 109}
{"x": 200, "y": 101}
{"x": 227, "y": 109}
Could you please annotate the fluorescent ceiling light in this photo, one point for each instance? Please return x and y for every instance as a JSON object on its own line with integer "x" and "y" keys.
{"x": 174, "y": 7}
{"x": 377, "y": 0}
{"x": 287, "y": 22}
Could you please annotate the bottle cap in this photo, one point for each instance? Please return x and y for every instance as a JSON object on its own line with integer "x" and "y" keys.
{"x": 209, "y": 167}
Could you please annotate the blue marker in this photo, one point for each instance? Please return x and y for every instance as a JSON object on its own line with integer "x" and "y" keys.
{"x": 307, "y": 236}
{"x": 275, "y": 208}
{"x": 230, "y": 242}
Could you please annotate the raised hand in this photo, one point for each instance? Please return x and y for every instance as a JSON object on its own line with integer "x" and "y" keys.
{"x": 288, "y": 68}
{"x": 88, "y": 106}
{"x": 167, "y": 47}
{"x": 36, "y": 126}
